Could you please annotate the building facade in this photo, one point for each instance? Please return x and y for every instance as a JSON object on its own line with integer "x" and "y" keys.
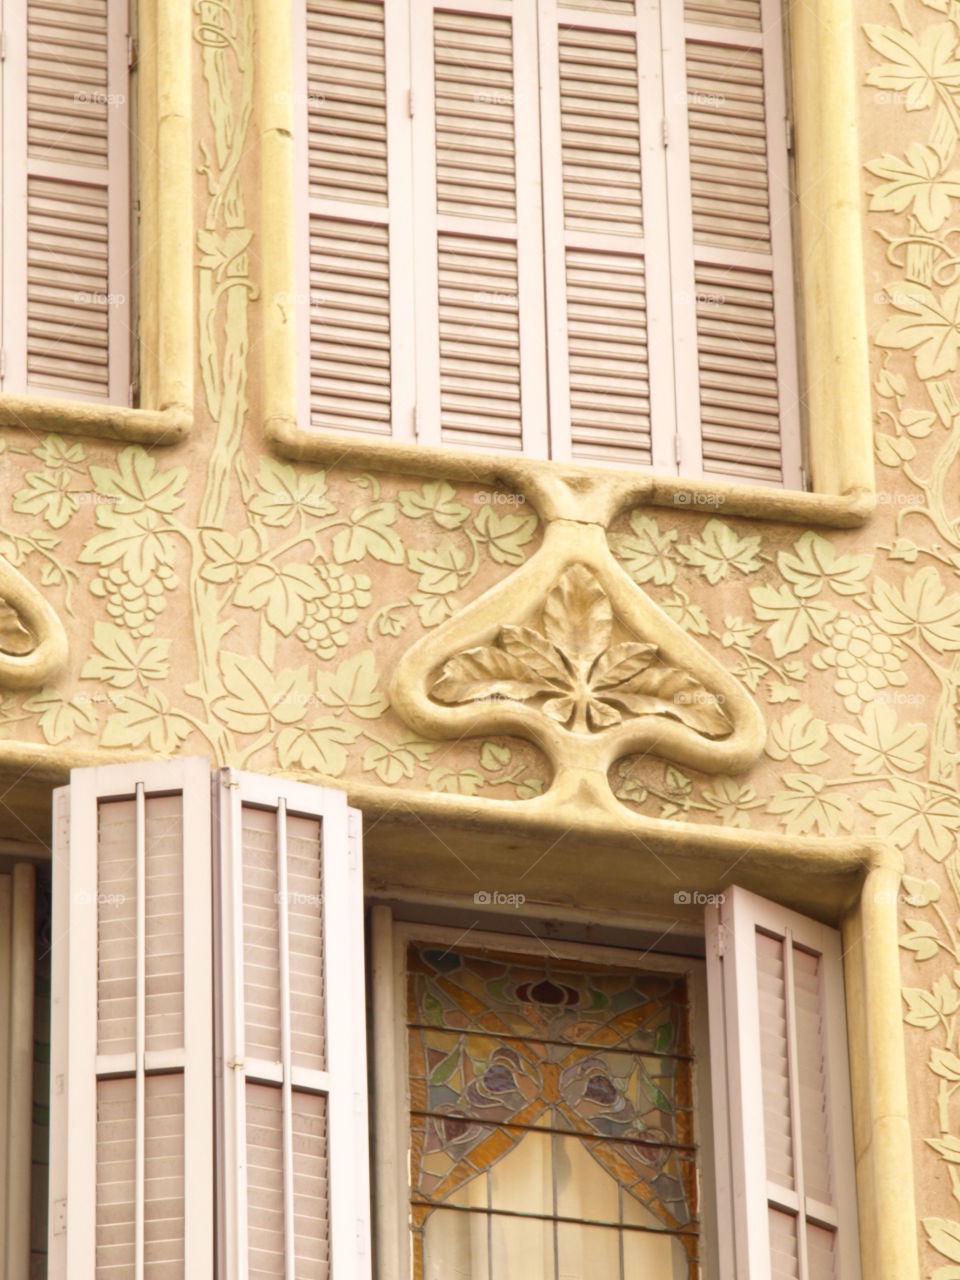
{"x": 479, "y": 639}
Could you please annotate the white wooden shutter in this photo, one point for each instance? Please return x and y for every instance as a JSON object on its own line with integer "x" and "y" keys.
{"x": 354, "y": 254}
{"x": 66, "y": 244}
{"x": 604, "y": 203}
{"x": 481, "y": 360}
{"x": 295, "y": 1111}
{"x": 781, "y": 1093}
{"x": 730, "y": 241}
{"x": 131, "y": 1172}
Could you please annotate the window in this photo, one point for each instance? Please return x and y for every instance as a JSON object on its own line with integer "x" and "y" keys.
{"x": 577, "y": 243}
{"x": 66, "y": 201}
{"x": 538, "y": 1112}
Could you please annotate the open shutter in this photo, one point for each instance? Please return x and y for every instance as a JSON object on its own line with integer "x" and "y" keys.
{"x": 295, "y": 1131}
{"x": 782, "y": 1089}
{"x": 481, "y": 368}
{"x": 608, "y": 300}
{"x": 354, "y": 300}
{"x": 731, "y": 241}
{"x": 66, "y": 244}
{"x": 131, "y": 1035}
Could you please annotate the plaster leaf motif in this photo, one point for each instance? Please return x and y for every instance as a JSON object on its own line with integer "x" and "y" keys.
{"x": 575, "y": 672}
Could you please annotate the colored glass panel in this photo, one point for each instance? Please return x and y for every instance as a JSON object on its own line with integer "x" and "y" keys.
{"x": 551, "y": 1118}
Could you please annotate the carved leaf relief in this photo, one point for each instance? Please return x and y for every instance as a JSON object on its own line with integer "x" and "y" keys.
{"x": 575, "y": 670}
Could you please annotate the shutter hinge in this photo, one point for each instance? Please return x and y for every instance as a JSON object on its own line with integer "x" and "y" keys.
{"x": 416, "y": 424}
{"x": 131, "y": 52}
{"x": 3, "y": 364}
{"x": 677, "y": 449}
{"x": 410, "y": 103}
{"x": 788, "y": 124}
{"x": 3, "y": 44}
{"x": 59, "y": 1217}
{"x": 721, "y": 936}
{"x": 664, "y": 132}
{"x": 236, "y": 1064}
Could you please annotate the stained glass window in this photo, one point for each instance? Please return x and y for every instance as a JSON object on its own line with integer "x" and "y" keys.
{"x": 551, "y": 1120}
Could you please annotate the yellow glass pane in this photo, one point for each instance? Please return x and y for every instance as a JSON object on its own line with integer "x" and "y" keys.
{"x": 646, "y": 1253}
{"x": 590, "y": 1253}
{"x": 584, "y": 1188}
{"x": 522, "y": 1180}
{"x": 455, "y": 1244}
{"x": 520, "y": 1249}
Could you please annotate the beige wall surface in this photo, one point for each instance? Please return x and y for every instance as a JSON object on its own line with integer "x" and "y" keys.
{"x": 734, "y": 686}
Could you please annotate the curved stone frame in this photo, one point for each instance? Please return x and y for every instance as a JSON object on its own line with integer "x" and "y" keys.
{"x": 165, "y": 169}
{"x": 831, "y": 279}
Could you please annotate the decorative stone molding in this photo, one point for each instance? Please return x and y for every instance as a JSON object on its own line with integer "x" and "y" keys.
{"x": 33, "y": 643}
{"x": 570, "y": 653}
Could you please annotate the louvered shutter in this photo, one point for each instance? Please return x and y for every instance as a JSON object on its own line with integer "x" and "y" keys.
{"x": 481, "y": 360}
{"x": 604, "y": 203}
{"x": 353, "y": 304}
{"x": 295, "y": 1137}
{"x": 781, "y": 1092}
{"x": 66, "y": 246}
{"x": 131, "y": 1038}
{"x": 730, "y": 241}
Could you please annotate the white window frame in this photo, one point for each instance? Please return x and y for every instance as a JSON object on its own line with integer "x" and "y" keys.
{"x": 390, "y": 939}
{"x": 344, "y": 1082}
{"x": 735, "y": 1022}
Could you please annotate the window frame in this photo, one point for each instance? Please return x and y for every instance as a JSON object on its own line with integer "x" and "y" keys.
{"x": 829, "y": 268}
{"x": 160, "y": 79}
{"x": 390, "y": 1093}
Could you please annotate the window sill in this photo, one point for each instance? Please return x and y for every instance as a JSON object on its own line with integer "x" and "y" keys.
{"x": 595, "y": 495}
{"x": 89, "y": 418}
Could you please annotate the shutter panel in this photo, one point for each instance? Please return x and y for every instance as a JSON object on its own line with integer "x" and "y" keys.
{"x": 781, "y": 1084}
{"x": 731, "y": 227}
{"x": 608, "y": 301}
{"x": 352, "y": 212}
{"x": 294, "y": 1032}
{"x": 131, "y": 1035}
{"x": 481, "y": 366}
{"x": 66, "y": 312}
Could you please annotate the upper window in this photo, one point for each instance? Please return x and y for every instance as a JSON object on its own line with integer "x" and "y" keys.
{"x": 65, "y": 239}
{"x": 561, "y": 230}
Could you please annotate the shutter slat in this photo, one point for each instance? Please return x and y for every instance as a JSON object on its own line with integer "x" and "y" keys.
{"x": 67, "y": 64}
{"x": 349, "y": 323}
{"x": 777, "y": 1120}
{"x": 739, "y": 388}
{"x": 310, "y": 1186}
{"x": 607, "y": 351}
{"x": 812, "y": 1076}
{"x": 600, "y": 130}
{"x": 261, "y": 956}
{"x": 346, "y": 100}
{"x": 479, "y": 342}
{"x": 728, "y": 152}
{"x": 473, "y": 67}
{"x": 784, "y": 1247}
{"x": 744, "y": 14}
{"x": 305, "y": 925}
